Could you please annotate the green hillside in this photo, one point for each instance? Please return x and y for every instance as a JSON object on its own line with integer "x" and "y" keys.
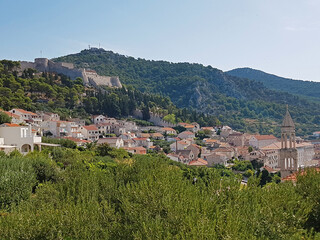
{"x": 69, "y": 98}
{"x": 302, "y": 88}
{"x": 205, "y": 89}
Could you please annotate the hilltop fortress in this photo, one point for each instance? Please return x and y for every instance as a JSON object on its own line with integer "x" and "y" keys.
{"x": 90, "y": 77}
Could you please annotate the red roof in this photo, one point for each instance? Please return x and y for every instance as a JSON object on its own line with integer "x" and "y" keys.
{"x": 264, "y": 137}
{"x": 140, "y": 139}
{"x": 10, "y": 114}
{"x": 188, "y": 132}
{"x": 12, "y": 125}
{"x": 137, "y": 150}
{"x": 91, "y": 127}
{"x": 269, "y": 169}
{"x": 168, "y": 129}
{"x": 25, "y": 112}
{"x": 207, "y": 128}
{"x": 198, "y": 162}
{"x": 293, "y": 177}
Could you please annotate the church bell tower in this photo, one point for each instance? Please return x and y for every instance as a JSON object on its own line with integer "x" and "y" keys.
{"x": 288, "y": 151}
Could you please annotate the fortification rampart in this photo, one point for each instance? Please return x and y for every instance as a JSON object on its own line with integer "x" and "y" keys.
{"x": 154, "y": 118}
{"x": 89, "y": 77}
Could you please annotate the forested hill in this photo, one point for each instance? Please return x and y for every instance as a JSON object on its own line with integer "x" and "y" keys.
{"x": 236, "y": 101}
{"x": 186, "y": 84}
{"x": 304, "y": 88}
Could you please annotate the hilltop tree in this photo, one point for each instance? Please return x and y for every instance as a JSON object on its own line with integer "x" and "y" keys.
{"x": 4, "y": 118}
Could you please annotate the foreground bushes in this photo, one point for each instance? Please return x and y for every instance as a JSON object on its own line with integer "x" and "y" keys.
{"x": 150, "y": 197}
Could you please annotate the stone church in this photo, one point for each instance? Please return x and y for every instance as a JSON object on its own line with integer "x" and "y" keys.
{"x": 293, "y": 155}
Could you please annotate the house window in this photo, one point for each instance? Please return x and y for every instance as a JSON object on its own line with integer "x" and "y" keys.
{"x": 23, "y": 132}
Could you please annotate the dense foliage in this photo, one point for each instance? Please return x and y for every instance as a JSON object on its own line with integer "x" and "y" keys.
{"x": 69, "y": 98}
{"x": 235, "y": 101}
{"x": 70, "y": 194}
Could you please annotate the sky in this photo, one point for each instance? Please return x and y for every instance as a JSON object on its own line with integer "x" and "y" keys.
{"x": 276, "y": 36}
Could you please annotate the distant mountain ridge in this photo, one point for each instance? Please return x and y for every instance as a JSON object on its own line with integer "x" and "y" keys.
{"x": 303, "y": 88}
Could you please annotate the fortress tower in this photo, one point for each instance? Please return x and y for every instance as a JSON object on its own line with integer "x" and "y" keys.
{"x": 288, "y": 151}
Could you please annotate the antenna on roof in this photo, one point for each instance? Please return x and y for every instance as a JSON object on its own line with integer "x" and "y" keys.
{"x": 99, "y": 45}
{"x": 41, "y": 53}
{"x": 89, "y": 46}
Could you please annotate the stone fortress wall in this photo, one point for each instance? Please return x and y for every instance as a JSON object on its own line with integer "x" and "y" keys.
{"x": 96, "y": 80}
{"x": 89, "y": 77}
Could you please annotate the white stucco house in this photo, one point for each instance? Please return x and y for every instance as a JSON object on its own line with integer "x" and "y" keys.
{"x": 115, "y": 142}
{"x": 22, "y": 138}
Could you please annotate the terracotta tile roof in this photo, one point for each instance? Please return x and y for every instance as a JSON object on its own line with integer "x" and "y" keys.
{"x": 25, "y": 112}
{"x": 91, "y": 128}
{"x": 138, "y": 150}
{"x": 145, "y": 135}
{"x": 140, "y": 139}
{"x": 210, "y": 141}
{"x": 189, "y": 126}
{"x": 10, "y": 114}
{"x": 156, "y": 135}
{"x": 207, "y": 128}
{"x": 269, "y": 169}
{"x": 182, "y": 143}
{"x": 195, "y": 145}
{"x": 187, "y": 132}
{"x": 168, "y": 129}
{"x": 293, "y": 177}
{"x": 11, "y": 125}
{"x": 264, "y": 137}
{"x": 198, "y": 162}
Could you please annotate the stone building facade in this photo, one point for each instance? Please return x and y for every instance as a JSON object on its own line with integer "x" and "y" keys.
{"x": 288, "y": 151}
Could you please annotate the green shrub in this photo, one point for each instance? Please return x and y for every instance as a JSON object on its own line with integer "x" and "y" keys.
{"x": 17, "y": 179}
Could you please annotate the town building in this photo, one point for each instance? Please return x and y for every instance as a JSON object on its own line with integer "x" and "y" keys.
{"x": 27, "y": 116}
{"x": 60, "y": 128}
{"x": 168, "y": 131}
{"x": 22, "y": 138}
{"x": 90, "y": 132}
{"x": 114, "y": 142}
{"x": 260, "y": 141}
{"x": 186, "y": 134}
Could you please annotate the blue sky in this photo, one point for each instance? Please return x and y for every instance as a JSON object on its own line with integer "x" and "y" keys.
{"x": 276, "y": 36}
